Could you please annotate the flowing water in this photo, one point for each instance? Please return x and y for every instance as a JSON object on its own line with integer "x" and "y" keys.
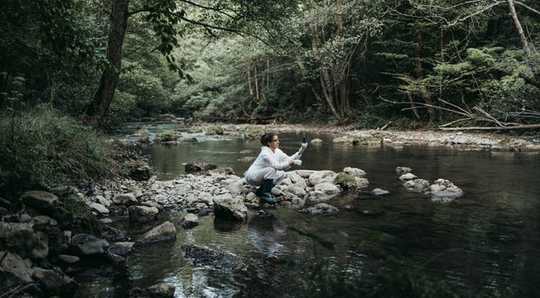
{"x": 485, "y": 244}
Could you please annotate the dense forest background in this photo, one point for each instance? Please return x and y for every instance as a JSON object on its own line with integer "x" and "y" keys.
{"x": 346, "y": 61}
{"x": 68, "y": 67}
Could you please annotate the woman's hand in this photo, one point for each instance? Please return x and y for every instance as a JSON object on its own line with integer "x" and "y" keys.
{"x": 297, "y": 162}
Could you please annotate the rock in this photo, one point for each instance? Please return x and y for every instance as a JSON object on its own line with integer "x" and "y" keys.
{"x": 126, "y": 199}
{"x": 69, "y": 259}
{"x": 225, "y": 206}
{"x": 190, "y": 220}
{"x": 164, "y": 232}
{"x": 44, "y": 221}
{"x": 86, "y": 245}
{"x": 251, "y": 200}
{"x": 106, "y": 220}
{"x": 417, "y": 185}
{"x": 121, "y": 248}
{"x": 222, "y": 171}
{"x": 142, "y": 214}
{"x": 321, "y": 176}
{"x": 297, "y": 202}
{"x": 324, "y": 192}
{"x": 25, "y": 218}
{"x": 14, "y": 270}
{"x": 444, "y": 191}
{"x": 296, "y": 190}
{"x": 316, "y": 141}
{"x": 99, "y": 208}
{"x": 20, "y": 237}
{"x": 201, "y": 256}
{"x": 140, "y": 172}
{"x": 199, "y": 166}
{"x": 407, "y": 177}
{"x": 305, "y": 173}
{"x": 321, "y": 209}
{"x": 345, "y": 140}
{"x": 349, "y": 182}
{"x": 40, "y": 249}
{"x": 379, "y": 192}
{"x": 403, "y": 170}
{"x": 356, "y": 172}
{"x": 53, "y": 282}
{"x": 41, "y": 201}
{"x": 235, "y": 185}
{"x": 103, "y": 201}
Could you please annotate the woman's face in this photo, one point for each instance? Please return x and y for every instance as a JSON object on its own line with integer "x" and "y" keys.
{"x": 274, "y": 144}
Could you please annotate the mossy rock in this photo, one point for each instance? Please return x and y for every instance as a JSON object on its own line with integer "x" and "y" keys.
{"x": 350, "y": 182}
{"x": 215, "y": 130}
{"x": 168, "y": 136}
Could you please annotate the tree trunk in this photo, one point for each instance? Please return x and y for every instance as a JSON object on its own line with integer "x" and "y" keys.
{"x": 99, "y": 107}
{"x": 256, "y": 82}
{"x": 249, "y": 79}
{"x": 420, "y": 71}
{"x": 517, "y": 23}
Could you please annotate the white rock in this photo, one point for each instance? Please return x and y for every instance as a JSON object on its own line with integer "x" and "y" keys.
{"x": 356, "y": 172}
{"x": 407, "y": 177}
{"x": 322, "y": 176}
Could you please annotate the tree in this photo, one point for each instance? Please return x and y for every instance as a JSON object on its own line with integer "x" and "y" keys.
{"x": 164, "y": 16}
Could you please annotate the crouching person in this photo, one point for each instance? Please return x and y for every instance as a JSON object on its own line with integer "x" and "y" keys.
{"x": 268, "y": 168}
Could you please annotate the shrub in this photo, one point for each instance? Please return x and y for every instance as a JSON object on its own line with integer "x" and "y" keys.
{"x": 43, "y": 149}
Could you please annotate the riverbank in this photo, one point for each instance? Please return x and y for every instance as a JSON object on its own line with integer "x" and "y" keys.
{"x": 347, "y": 135}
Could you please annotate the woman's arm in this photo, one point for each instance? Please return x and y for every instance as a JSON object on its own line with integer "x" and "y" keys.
{"x": 279, "y": 162}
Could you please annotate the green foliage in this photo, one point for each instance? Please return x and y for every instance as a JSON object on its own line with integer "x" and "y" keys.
{"x": 43, "y": 149}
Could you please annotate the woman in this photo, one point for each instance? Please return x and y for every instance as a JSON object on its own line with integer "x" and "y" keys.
{"x": 267, "y": 169}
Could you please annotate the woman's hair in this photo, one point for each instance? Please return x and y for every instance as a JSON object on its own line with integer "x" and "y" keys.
{"x": 267, "y": 138}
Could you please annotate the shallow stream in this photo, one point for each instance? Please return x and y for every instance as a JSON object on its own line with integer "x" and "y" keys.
{"x": 486, "y": 243}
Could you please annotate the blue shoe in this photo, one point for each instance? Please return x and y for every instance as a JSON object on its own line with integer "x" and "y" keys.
{"x": 268, "y": 198}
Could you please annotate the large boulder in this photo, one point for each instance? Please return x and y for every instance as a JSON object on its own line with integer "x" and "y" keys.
{"x": 164, "y": 232}
{"x": 199, "y": 166}
{"x": 142, "y": 214}
{"x": 443, "y": 190}
{"x": 324, "y": 192}
{"x": 87, "y": 245}
{"x": 322, "y": 176}
{"x": 40, "y": 200}
{"x": 228, "y": 207}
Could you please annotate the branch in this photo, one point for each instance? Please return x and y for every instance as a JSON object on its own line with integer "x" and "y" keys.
{"x": 527, "y": 7}
{"x": 208, "y": 7}
{"x": 473, "y": 14}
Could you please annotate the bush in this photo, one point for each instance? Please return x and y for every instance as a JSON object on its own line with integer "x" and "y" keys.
{"x": 43, "y": 149}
